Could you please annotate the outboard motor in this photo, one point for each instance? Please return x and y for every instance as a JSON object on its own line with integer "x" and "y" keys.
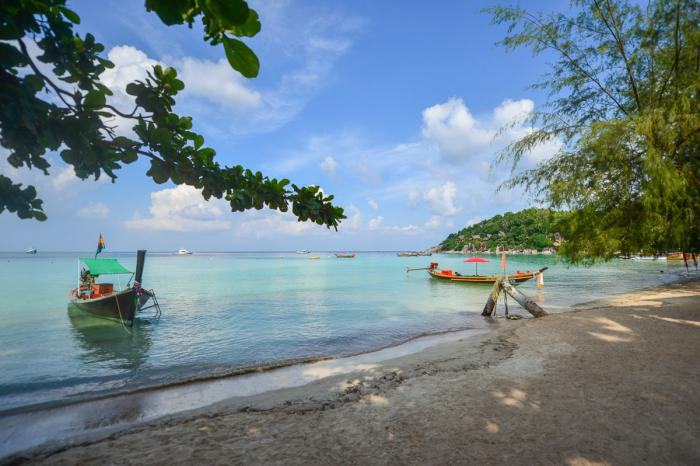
{"x": 85, "y": 277}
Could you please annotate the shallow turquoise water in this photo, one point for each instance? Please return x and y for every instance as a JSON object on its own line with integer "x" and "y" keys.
{"x": 227, "y": 312}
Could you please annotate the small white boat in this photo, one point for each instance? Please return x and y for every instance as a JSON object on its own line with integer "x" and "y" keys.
{"x": 183, "y": 251}
{"x": 30, "y": 251}
{"x": 649, "y": 258}
{"x": 302, "y": 251}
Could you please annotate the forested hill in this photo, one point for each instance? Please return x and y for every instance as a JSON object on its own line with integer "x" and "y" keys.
{"x": 533, "y": 229}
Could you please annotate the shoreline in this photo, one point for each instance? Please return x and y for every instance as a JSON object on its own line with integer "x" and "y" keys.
{"x": 271, "y": 394}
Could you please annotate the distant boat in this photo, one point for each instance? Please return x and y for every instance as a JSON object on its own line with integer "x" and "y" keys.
{"x": 101, "y": 300}
{"x": 649, "y": 258}
{"x": 302, "y": 251}
{"x": 346, "y": 256}
{"x": 407, "y": 254}
{"x": 674, "y": 256}
{"x": 183, "y": 251}
{"x": 424, "y": 253}
{"x": 30, "y": 251}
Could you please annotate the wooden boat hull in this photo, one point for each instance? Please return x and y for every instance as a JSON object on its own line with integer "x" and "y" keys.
{"x": 119, "y": 307}
{"x": 512, "y": 279}
{"x": 343, "y": 256}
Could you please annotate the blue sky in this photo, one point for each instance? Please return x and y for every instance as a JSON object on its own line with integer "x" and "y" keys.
{"x": 390, "y": 106}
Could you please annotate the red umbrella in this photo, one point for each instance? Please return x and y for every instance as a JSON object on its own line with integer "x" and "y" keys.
{"x": 477, "y": 260}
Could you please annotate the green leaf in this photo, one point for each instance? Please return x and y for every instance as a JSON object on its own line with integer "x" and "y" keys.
{"x": 104, "y": 89}
{"x": 135, "y": 89}
{"x": 177, "y": 85}
{"x": 198, "y": 141}
{"x": 96, "y": 98}
{"x": 250, "y": 28}
{"x": 129, "y": 157}
{"x": 71, "y": 15}
{"x": 229, "y": 13}
{"x": 159, "y": 172}
{"x": 34, "y": 81}
{"x": 160, "y": 136}
{"x": 121, "y": 141}
{"x": 11, "y": 57}
{"x": 178, "y": 178}
{"x": 241, "y": 58}
{"x": 170, "y": 11}
{"x": 105, "y": 63}
{"x": 41, "y": 216}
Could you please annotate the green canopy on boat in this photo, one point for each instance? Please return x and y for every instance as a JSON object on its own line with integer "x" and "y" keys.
{"x": 104, "y": 266}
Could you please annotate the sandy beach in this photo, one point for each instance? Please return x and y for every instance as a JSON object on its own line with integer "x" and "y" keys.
{"x": 610, "y": 383}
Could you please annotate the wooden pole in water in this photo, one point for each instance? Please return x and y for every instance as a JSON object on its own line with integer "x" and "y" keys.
{"x": 490, "y": 305}
{"x": 528, "y": 304}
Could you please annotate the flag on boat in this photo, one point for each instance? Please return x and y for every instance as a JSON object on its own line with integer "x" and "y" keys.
{"x": 100, "y": 246}
{"x": 503, "y": 262}
{"x": 685, "y": 261}
{"x": 540, "y": 280}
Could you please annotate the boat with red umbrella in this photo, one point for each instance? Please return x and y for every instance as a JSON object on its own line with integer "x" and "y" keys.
{"x": 442, "y": 274}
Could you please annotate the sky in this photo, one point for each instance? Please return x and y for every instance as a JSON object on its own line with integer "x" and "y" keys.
{"x": 392, "y": 107}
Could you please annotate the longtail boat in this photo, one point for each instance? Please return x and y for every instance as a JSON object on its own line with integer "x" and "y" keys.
{"x": 407, "y": 254}
{"x": 101, "y": 300}
{"x": 345, "y": 256}
{"x": 674, "y": 256}
{"x": 449, "y": 275}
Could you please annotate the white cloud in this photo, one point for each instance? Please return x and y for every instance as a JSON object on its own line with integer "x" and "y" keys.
{"x": 273, "y": 223}
{"x": 60, "y": 191}
{"x": 442, "y": 200}
{"x": 436, "y": 222}
{"x": 453, "y": 128}
{"x": 464, "y": 138}
{"x": 353, "y": 222}
{"x": 375, "y": 223}
{"x": 217, "y": 82}
{"x": 414, "y": 196}
{"x": 181, "y": 209}
{"x": 368, "y": 176}
{"x": 372, "y": 204}
{"x": 473, "y": 221}
{"x": 329, "y": 167}
{"x": 308, "y": 40}
{"x": 130, "y": 64}
{"x": 98, "y": 210}
{"x": 65, "y": 180}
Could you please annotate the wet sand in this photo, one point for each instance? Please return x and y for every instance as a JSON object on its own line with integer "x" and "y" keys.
{"x": 617, "y": 382}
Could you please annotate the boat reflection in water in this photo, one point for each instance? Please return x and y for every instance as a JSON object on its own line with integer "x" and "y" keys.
{"x": 108, "y": 344}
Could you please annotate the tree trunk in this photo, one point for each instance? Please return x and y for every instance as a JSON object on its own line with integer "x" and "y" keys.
{"x": 529, "y": 305}
{"x": 490, "y": 305}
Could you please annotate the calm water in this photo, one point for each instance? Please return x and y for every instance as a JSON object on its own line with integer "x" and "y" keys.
{"x": 228, "y": 312}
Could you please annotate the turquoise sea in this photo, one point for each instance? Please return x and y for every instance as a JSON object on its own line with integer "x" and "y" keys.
{"x": 228, "y": 313}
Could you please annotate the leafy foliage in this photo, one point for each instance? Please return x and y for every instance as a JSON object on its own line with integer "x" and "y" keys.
{"x": 69, "y": 110}
{"x": 530, "y": 228}
{"x": 623, "y": 97}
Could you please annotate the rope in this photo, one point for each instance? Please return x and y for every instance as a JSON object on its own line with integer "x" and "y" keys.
{"x": 116, "y": 296}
